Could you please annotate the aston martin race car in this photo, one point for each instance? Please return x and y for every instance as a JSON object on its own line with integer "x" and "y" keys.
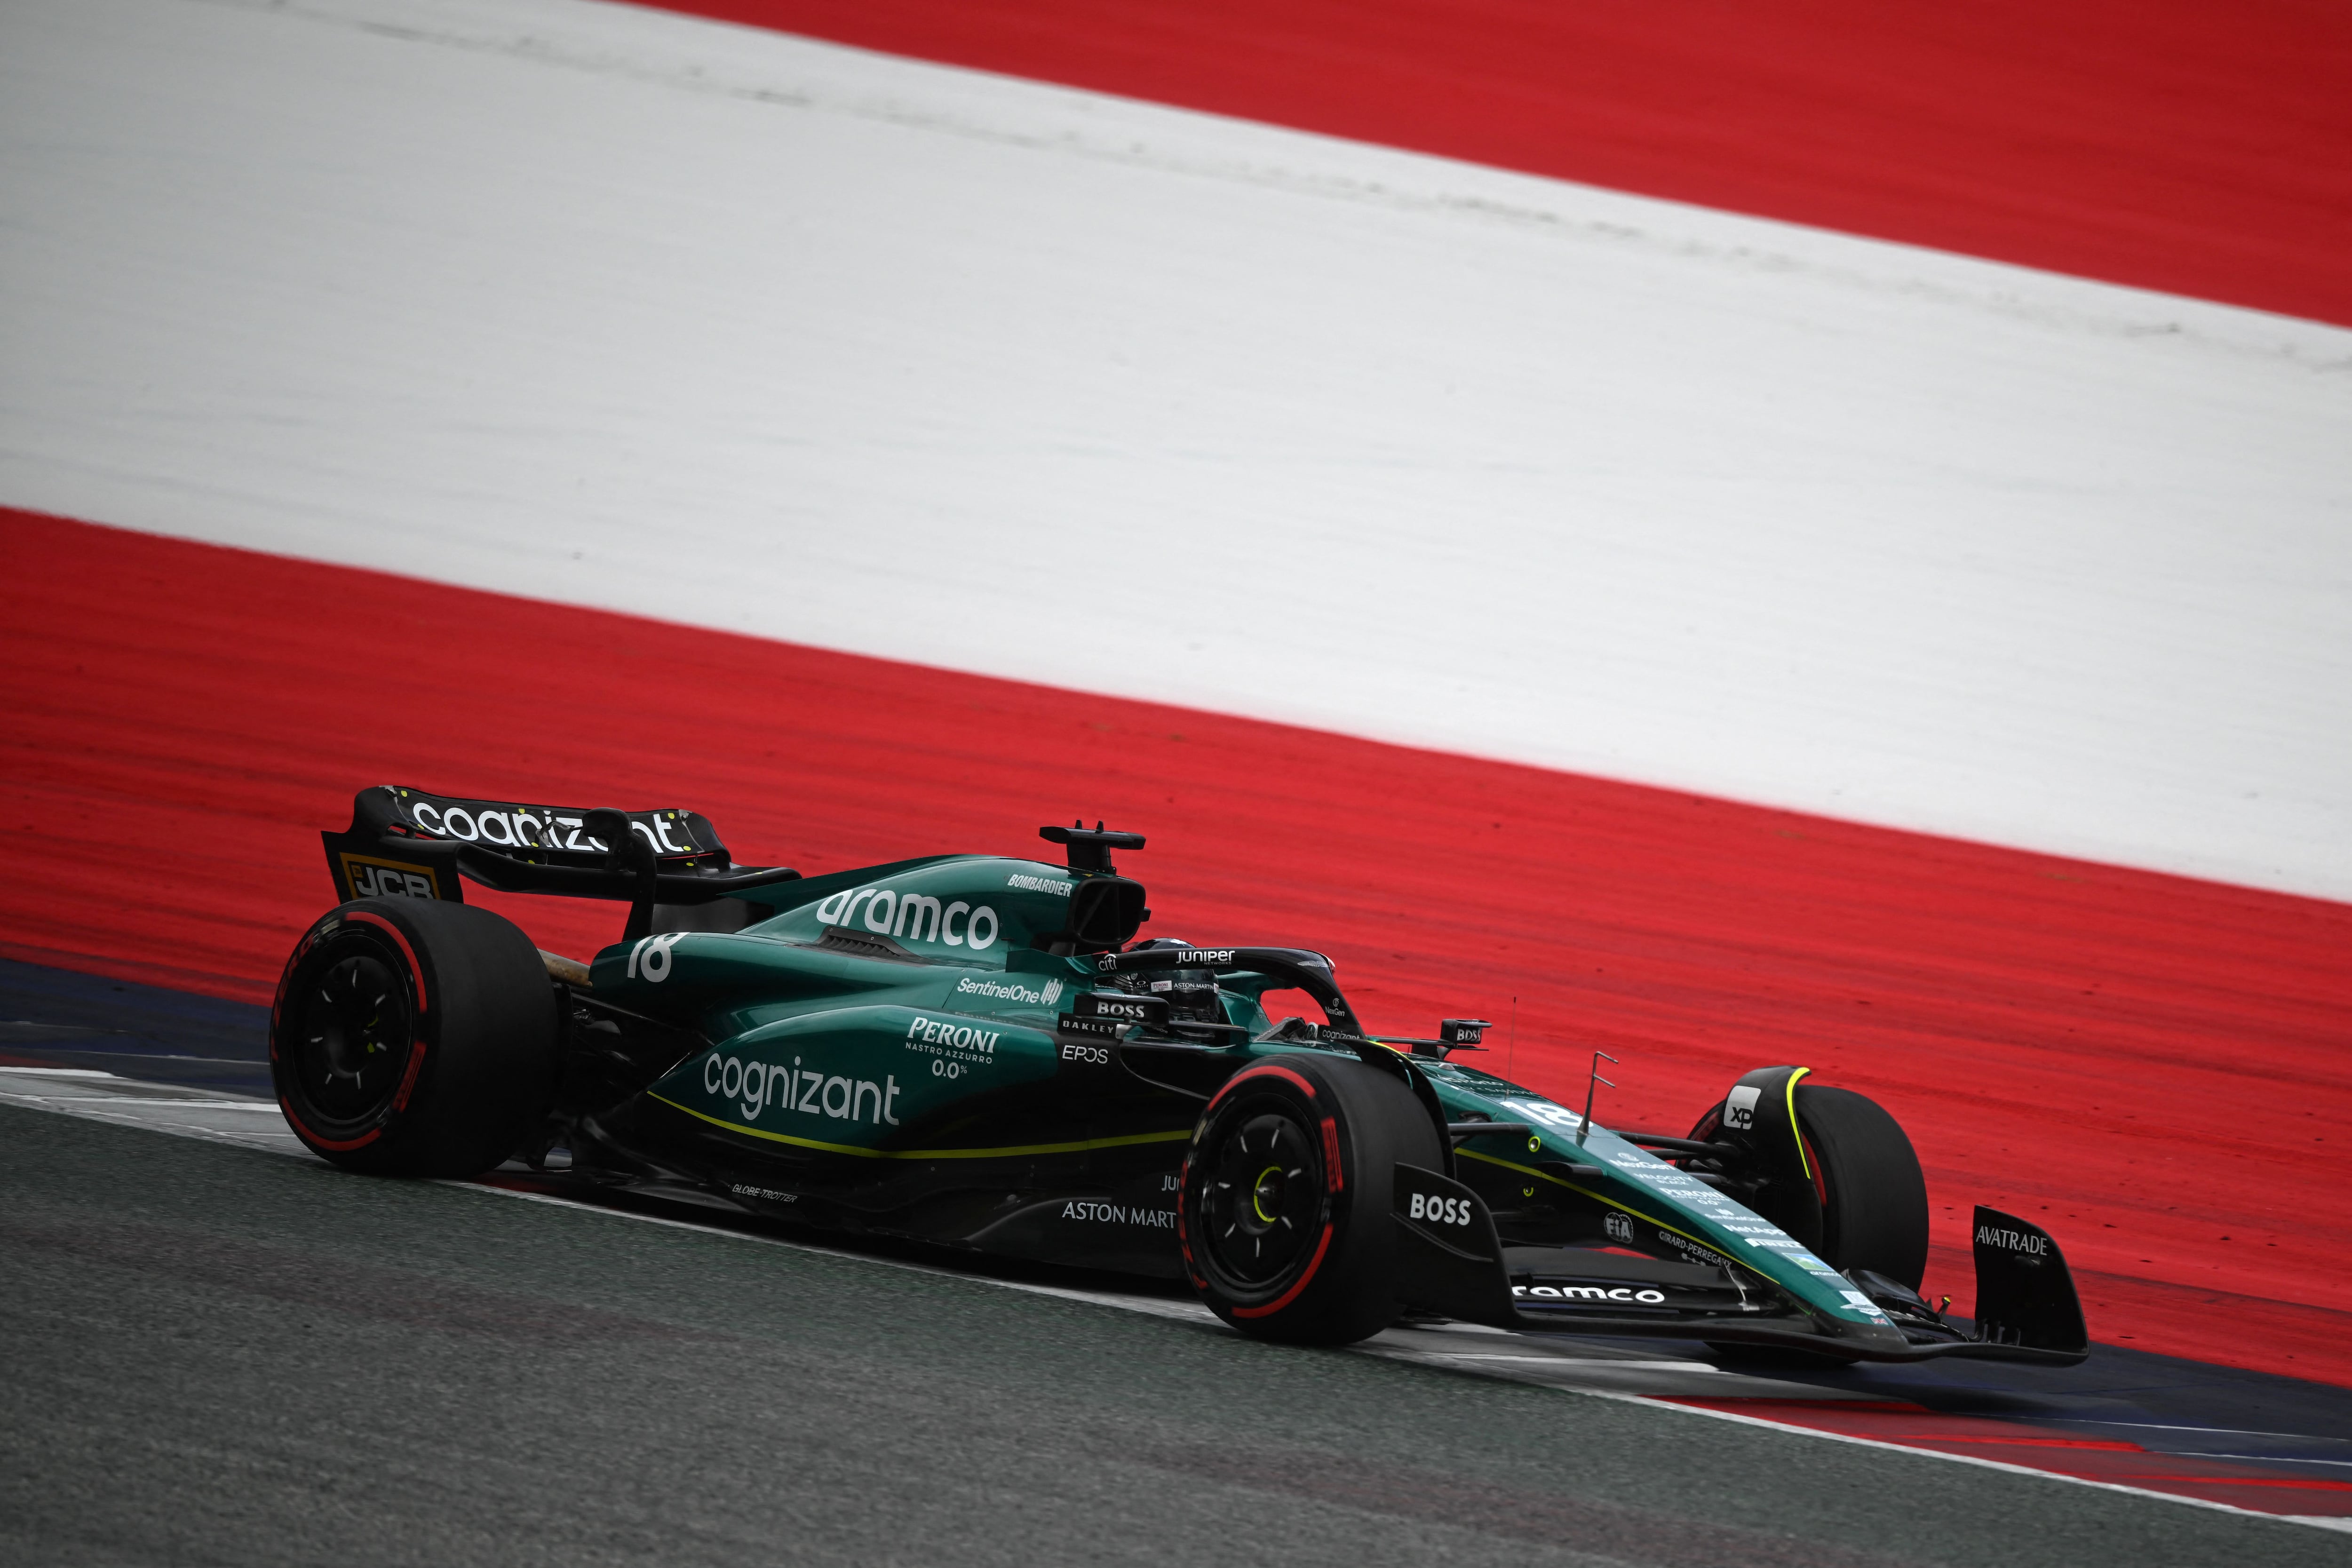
{"x": 977, "y": 1053}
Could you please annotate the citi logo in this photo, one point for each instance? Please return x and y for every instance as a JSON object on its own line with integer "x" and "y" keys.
{"x": 915, "y": 916}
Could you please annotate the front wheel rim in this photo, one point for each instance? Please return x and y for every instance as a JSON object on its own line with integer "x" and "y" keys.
{"x": 1262, "y": 1195}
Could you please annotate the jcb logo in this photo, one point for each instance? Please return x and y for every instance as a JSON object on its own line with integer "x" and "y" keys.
{"x": 389, "y": 879}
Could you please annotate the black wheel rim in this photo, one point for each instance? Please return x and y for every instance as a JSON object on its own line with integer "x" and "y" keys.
{"x": 350, "y": 1043}
{"x": 1262, "y": 1198}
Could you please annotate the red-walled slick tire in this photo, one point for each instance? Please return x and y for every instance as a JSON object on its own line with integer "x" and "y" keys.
{"x": 414, "y": 1038}
{"x": 1284, "y": 1211}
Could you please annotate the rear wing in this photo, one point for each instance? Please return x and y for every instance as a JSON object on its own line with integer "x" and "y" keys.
{"x": 404, "y": 843}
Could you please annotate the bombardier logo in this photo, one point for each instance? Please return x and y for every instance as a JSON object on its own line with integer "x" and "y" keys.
{"x": 917, "y": 917}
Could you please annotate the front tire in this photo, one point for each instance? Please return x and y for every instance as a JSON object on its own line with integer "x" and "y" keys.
{"x": 411, "y": 1037}
{"x": 1874, "y": 1197}
{"x": 1284, "y": 1213}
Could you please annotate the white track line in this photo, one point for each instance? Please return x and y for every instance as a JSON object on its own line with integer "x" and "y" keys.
{"x": 1497, "y": 1365}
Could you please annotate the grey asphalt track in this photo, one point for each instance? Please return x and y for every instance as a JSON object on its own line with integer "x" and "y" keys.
{"x": 214, "y": 1354}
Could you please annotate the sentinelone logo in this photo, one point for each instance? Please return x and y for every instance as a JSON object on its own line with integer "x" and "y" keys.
{"x": 1003, "y": 991}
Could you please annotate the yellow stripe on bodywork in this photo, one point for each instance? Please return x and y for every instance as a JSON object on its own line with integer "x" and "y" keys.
{"x": 1803, "y": 1162}
{"x": 1078, "y": 1148}
{"x": 1714, "y": 1247}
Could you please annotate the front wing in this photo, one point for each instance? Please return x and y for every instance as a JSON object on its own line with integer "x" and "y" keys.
{"x": 1451, "y": 1261}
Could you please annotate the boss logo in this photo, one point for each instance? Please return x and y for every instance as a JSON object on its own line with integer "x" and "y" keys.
{"x": 389, "y": 879}
{"x": 1441, "y": 1211}
{"x": 1619, "y": 1228}
{"x": 1739, "y": 1108}
{"x": 1095, "y": 1056}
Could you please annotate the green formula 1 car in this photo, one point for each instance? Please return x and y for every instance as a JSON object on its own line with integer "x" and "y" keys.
{"x": 975, "y": 1052}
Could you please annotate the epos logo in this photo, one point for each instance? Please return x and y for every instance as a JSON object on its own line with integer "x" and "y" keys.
{"x": 1439, "y": 1211}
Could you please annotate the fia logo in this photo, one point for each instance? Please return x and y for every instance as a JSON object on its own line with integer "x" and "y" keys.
{"x": 1620, "y": 1228}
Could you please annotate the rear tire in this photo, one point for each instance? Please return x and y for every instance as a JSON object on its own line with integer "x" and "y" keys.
{"x": 411, "y": 1037}
{"x": 1284, "y": 1212}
